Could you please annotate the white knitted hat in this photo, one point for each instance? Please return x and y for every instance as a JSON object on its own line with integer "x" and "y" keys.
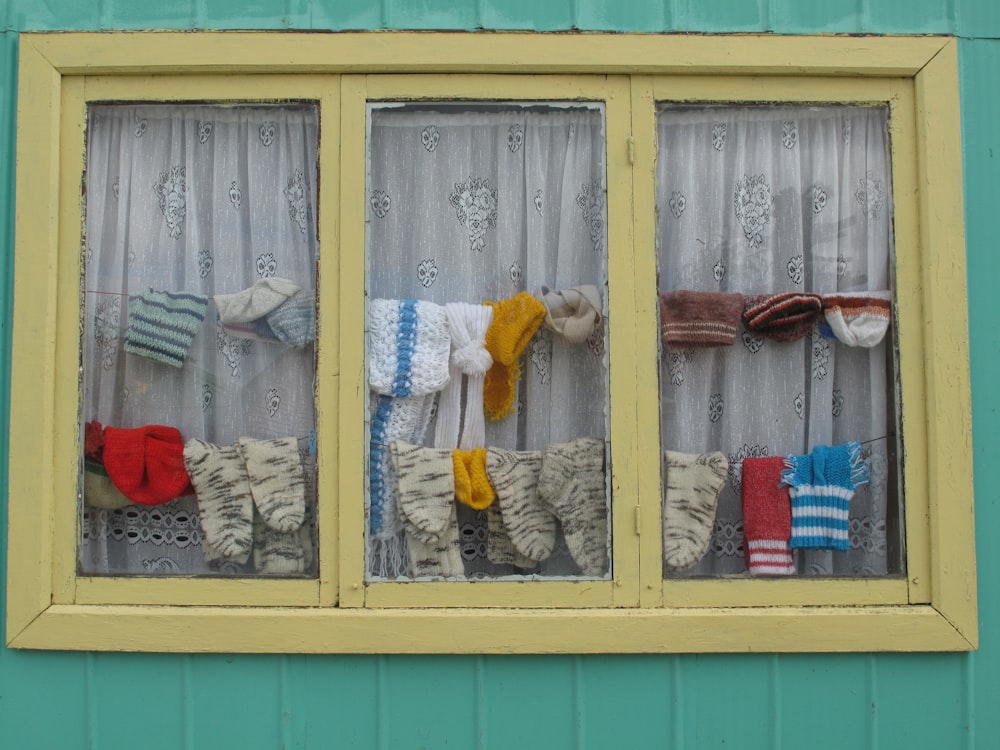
{"x": 409, "y": 346}
{"x": 859, "y": 319}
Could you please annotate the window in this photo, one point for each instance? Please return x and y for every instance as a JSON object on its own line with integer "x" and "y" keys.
{"x": 584, "y": 136}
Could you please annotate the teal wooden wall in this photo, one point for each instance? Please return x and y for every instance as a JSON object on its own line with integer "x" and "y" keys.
{"x": 879, "y": 702}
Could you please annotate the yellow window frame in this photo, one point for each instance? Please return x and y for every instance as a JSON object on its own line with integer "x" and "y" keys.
{"x": 50, "y": 606}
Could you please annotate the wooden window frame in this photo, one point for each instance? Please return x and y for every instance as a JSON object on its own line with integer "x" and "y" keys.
{"x": 49, "y": 606}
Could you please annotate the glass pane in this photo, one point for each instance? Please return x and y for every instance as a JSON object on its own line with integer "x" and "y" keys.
{"x": 487, "y": 352}
{"x": 774, "y": 235}
{"x": 198, "y": 341}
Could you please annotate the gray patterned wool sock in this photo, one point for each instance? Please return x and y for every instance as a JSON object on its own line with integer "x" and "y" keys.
{"x": 529, "y": 522}
{"x": 276, "y": 480}
{"x": 500, "y": 550}
{"x": 691, "y": 493}
{"x": 277, "y": 553}
{"x": 225, "y": 504}
{"x": 425, "y": 487}
{"x": 572, "y": 484}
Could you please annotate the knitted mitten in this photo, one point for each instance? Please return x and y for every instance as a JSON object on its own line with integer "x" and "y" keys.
{"x": 528, "y": 521}
{"x": 572, "y": 484}
{"x": 146, "y": 464}
{"x": 821, "y": 486}
{"x": 225, "y": 503}
{"x": 691, "y": 492}
{"x": 767, "y": 518}
{"x": 276, "y": 480}
{"x": 472, "y": 485}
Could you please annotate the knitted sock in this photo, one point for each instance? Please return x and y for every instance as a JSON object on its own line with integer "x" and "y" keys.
{"x": 692, "y": 486}
{"x": 425, "y": 487}
{"x": 276, "y": 481}
{"x": 821, "y": 486}
{"x": 514, "y": 323}
{"x": 162, "y": 325}
{"x": 767, "y": 518}
{"x": 276, "y": 553}
{"x": 469, "y": 358}
{"x": 294, "y": 320}
{"x": 529, "y": 522}
{"x": 500, "y": 548}
{"x": 254, "y": 303}
{"x": 225, "y": 502}
{"x": 572, "y": 484}
{"x": 472, "y": 485}
{"x": 858, "y": 319}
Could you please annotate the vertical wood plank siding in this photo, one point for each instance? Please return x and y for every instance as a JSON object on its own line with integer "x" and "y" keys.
{"x": 160, "y": 702}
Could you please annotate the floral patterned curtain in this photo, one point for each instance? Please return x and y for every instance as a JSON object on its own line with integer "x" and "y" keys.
{"x": 207, "y": 200}
{"x": 469, "y": 203}
{"x": 766, "y": 199}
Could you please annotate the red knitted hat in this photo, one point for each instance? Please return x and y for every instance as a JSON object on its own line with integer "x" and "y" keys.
{"x": 767, "y": 518}
{"x": 782, "y": 317}
{"x": 699, "y": 318}
{"x": 146, "y": 464}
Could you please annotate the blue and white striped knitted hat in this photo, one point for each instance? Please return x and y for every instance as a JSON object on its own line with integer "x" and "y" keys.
{"x": 821, "y": 485}
{"x": 409, "y": 345}
{"x": 162, "y": 325}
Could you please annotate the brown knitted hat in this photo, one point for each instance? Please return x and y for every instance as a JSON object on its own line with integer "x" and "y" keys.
{"x": 699, "y": 318}
{"x": 782, "y": 317}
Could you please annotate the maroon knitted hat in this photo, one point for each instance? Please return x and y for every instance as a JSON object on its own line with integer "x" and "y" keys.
{"x": 782, "y": 317}
{"x": 699, "y": 318}
{"x": 147, "y": 464}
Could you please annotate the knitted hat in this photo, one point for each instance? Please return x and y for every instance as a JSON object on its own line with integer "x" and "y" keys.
{"x": 858, "y": 319}
{"x": 98, "y": 489}
{"x": 515, "y": 321}
{"x": 782, "y": 317}
{"x": 821, "y": 485}
{"x": 147, "y": 464}
{"x": 699, "y": 318}
{"x": 472, "y": 485}
{"x": 572, "y": 313}
{"x": 93, "y": 442}
{"x": 409, "y": 345}
{"x": 162, "y": 325}
{"x": 767, "y": 518}
{"x": 469, "y": 358}
{"x": 294, "y": 320}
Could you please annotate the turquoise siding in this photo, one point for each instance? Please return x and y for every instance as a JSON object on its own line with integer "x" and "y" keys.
{"x": 80, "y": 700}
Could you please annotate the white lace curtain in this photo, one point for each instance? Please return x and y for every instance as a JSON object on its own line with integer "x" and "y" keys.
{"x": 759, "y": 200}
{"x": 202, "y": 199}
{"x": 468, "y": 204}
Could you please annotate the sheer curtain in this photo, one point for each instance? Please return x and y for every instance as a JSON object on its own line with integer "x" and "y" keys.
{"x": 469, "y": 203}
{"x": 202, "y": 199}
{"x": 760, "y": 200}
